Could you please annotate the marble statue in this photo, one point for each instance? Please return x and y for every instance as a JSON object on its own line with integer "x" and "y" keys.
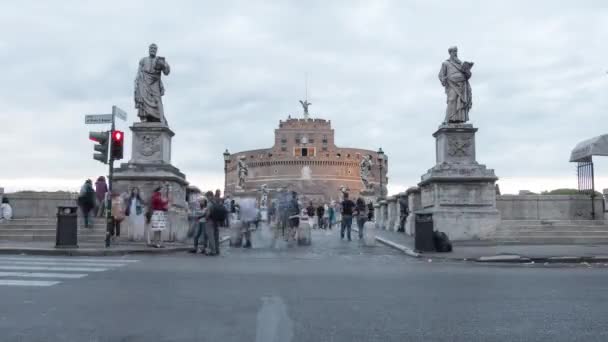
{"x": 365, "y": 170}
{"x": 454, "y": 76}
{"x": 243, "y": 171}
{"x": 305, "y": 105}
{"x": 149, "y": 87}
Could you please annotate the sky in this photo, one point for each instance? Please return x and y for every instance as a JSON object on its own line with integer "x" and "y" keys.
{"x": 238, "y": 67}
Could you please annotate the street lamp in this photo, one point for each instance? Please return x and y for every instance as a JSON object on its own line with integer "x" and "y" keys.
{"x": 226, "y": 161}
{"x": 381, "y": 164}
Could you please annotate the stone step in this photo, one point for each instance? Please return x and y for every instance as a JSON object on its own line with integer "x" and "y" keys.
{"x": 510, "y": 223}
{"x": 46, "y": 237}
{"x": 550, "y": 229}
{"x": 544, "y": 240}
{"x": 552, "y": 234}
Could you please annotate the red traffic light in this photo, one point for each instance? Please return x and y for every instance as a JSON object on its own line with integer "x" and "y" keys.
{"x": 117, "y": 136}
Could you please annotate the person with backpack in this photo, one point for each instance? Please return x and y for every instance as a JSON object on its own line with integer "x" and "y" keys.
{"x": 361, "y": 215}
{"x": 118, "y": 215}
{"x": 216, "y": 216}
{"x": 86, "y": 201}
{"x": 199, "y": 215}
{"x": 347, "y": 216}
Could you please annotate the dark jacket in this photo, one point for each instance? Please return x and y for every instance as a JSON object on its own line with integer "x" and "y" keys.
{"x": 320, "y": 211}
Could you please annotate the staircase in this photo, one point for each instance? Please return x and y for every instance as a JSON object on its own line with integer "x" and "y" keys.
{"x": 552, "y": 232}
{"x": 44, "y": 229}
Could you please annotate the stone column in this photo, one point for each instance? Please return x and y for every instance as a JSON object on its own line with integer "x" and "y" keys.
{"x": 377, "y": 214}
{"x": 384, "y": 211}
{"x": 400, "y": 197}
{"x": 413, "y": 203}
{"x": 392, "y": 212}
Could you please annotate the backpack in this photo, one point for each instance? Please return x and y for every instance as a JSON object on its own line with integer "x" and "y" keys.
{"x": 442, "y": 242}
{"x": 218, "y": 212}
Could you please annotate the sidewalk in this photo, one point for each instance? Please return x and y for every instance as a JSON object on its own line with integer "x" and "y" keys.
{"x": 93, "y": 248}
{"x": 490, "y": 252}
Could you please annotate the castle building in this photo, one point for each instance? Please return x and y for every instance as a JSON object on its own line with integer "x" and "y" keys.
{"x": 305, "y": 159}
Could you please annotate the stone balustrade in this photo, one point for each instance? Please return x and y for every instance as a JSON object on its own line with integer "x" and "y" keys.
{"x": 414, "y": 204}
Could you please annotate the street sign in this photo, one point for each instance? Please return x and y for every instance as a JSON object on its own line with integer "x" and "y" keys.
{"x": 93, "y": 119}
{"x": 121, "y": 114}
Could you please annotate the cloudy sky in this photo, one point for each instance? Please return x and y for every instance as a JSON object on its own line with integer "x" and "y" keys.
{"x": 237, "y": 68}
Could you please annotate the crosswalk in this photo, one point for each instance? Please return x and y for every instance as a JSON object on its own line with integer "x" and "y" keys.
{"x": 30, "y": 271}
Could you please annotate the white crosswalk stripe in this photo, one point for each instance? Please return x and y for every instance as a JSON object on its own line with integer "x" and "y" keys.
{"x": 29, "y": 271}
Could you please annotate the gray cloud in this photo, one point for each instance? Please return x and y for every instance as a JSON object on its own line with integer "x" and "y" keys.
{"x": 238, "y": 68}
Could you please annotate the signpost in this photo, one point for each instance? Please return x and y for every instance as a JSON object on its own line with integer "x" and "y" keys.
{"x": 93, "y": 119}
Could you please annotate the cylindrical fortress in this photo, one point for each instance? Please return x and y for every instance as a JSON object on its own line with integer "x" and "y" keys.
{"x": 305, "y": 159}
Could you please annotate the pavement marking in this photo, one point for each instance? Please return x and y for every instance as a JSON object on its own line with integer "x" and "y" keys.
{"x": 14, "y": 282}
{"x": 52, "y": 268}
{"x": 55, "y": 263}
{"x": 69, "y": 259}
{"x": 43, "y": 275}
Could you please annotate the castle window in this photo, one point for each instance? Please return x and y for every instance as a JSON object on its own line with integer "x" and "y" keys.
{"x": 348, "y": 155}
{"x": 339, "y": 155}
{"x": 298, "y": 140}
{"x": 311, "y": 140}
{"x": 283, "y": 140}
{"x": 324, "y": 149}
{"x": 304, "y": 152}
{"x": 325, "y": 139}
{"x": 284, "y": 149}
{"x": 276, "y": 171}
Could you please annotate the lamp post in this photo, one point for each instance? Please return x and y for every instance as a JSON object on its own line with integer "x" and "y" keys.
{"x": 226, "y": 161}
{"x": 381, "y": 164}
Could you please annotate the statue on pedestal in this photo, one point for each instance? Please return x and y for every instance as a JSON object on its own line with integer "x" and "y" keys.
{"x": 243, "y": 171}
{"x": 365, "y": 169}
{"x": 305, "y": 105}
{"x": 454, "y": 76}
{"x": 149, "y": 87}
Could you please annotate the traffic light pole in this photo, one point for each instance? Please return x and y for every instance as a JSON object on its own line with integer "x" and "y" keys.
{"x": 109, "y": 218}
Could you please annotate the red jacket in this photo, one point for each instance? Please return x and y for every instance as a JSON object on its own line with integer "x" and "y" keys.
{"x": 158, "y": 203}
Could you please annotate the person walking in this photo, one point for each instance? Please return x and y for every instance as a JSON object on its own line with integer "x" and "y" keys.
{"x": 293, "y": 212}
{"x": 216, "y": 215}
{"x": 6, "y": 211}
{"x": 347, "y": 216}
{"x": 134, "y": 210}
{"x": 101, "y": 189}
{"x": 331, "y": 214}
{"x": 159, "y": 206}
{"x": 310, "y": 212}
{"x": 320, "y": 214}
{"x": 86, "y": 201}
{"x": 118, "y": 215}
{"x": 361, "y": 215}
{"x": 200, "y": 217}
{"x": 370, "y": 211}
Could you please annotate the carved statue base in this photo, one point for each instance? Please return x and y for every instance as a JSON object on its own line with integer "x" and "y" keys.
{"x": 150, "y": 167}
{"x": 458, "y": 191}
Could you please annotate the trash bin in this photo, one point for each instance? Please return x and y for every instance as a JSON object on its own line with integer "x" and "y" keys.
{"x": 423, "y": 236}
{"x": 67, "y": 227}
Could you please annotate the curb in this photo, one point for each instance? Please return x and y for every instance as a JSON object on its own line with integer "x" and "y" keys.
{"x": 406, "y": 250}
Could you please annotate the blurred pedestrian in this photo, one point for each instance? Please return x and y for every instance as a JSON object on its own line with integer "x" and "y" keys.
{"x": 310, "y": 212}
{"x": 320, "y": 213}
{"x": 86, "y": 201}
{"x": 200, "y": 217}
{"x": 370, "y": 211}
{"x": 216, "y": 215}
{"x": 134, "y": 210}
{"x": 361, "y": 215}
{"x": 6, "y": 211}
{"x": 101, "y": 190}
{"x": 347, "y": 216}
{"x": 331, "y": 214}
{"x": 159, "y": 205}
{"x": 118, "y": 215}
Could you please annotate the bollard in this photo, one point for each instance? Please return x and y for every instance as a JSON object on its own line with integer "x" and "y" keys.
{"x": 236, "y": 234}
{"x": 369, "y": 234}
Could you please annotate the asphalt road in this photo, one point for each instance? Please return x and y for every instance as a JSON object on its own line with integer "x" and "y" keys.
{"x": 331, "y": 291}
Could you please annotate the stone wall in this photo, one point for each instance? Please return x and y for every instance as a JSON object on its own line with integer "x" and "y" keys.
{"x": 548, "y": 207}
{"x": 39, "y": 204}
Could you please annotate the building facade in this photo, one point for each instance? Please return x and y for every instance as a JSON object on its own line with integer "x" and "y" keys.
{"x": 305, "y": 159}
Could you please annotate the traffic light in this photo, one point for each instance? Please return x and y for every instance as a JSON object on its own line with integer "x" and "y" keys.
{"x": 102, "y": 139}
{"x": 118, "y": 139}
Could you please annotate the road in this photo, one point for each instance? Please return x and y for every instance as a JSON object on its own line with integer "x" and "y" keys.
{"x": 332, "y": 291}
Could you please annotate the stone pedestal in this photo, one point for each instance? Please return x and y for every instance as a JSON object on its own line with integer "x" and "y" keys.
{"x": 384, "y": 211}
{"x": 458, "y": 191}
{"x": 369, "y": 234}
{"x": 150, "y": 167}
